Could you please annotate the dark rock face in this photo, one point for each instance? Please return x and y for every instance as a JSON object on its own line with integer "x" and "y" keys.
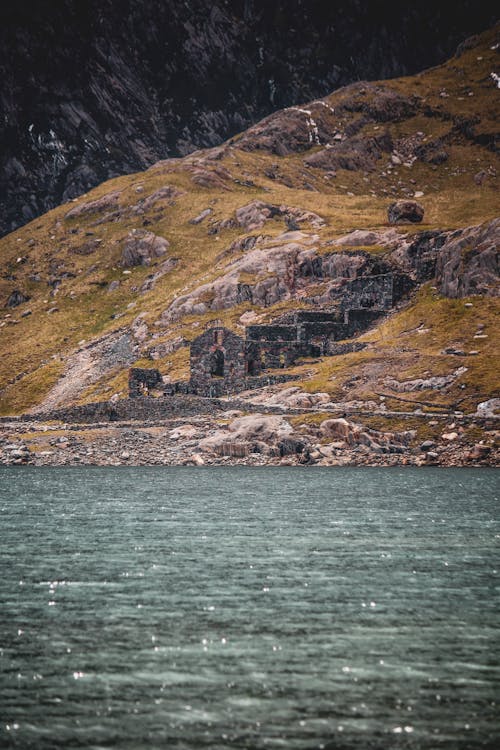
{"x": 96, "y": 89}
{"x": 419, "y": 257}
{"x": 468, "y": 262}
{"x": 464, "y": 262}
{"x": 402, "y": 212}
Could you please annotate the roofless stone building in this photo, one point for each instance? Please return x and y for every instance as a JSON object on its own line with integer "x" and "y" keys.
{"x": 217, "y": 357}
{"x": 222, "y": 362}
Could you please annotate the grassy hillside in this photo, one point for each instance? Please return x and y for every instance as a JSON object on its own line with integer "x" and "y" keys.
{"x": 440, "y": 129}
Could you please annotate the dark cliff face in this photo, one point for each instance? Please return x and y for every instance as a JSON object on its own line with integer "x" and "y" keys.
{"x": 97, "y": 89}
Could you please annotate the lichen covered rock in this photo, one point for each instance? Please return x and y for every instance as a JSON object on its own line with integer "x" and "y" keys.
{"x": 141, "y": 248}
{"x": 403, "y": 212}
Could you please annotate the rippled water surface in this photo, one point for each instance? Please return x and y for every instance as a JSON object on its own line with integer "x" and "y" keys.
{"x": 154, "y": 607}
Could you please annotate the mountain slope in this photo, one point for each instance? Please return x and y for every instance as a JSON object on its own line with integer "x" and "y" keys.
{"x": 131, "y": 272}
{"x": 97, "y": 89}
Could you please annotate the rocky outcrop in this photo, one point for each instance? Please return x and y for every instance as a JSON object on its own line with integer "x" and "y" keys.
{"x": 346, "y": 433}
{"x": 255, "y": 214}
{"x": 16, "y": 298}
{"x": 468, "y": 262}
{"x": 298, "y": 129}
{"x": 379, "y": 103}
{"x": 97, "y": 89}
{"x": 417, "y": 254}
{"x": 488, "y": 408}
{"x": 355, "y": 154}
{"x": 292, "y": 130}
{"x": 107, "y": 208}
{"x": 253, "y": 434}
{"x": 106, "y": 203}
{"x": 164, "y": 195}
{"x": 404, "y": 212}
{"x": 433, "y": 152}
{"x": 435, "y": 382}
{"x": 141, "y": 247}
{"x": 279, "y": 272}
{"x": 464, "y": 262}
{"x": 201, "y": 217}
{"x": 274, "y": 436}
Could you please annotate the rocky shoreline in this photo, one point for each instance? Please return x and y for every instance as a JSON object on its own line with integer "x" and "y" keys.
{"x": 233, "y": 437}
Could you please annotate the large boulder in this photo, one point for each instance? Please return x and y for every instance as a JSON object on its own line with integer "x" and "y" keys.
{"x": 468, "y": 262}
{"x": 404, "y": 212}
{"x": 255, "y": 433}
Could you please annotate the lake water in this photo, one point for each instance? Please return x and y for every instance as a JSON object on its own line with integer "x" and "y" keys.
{"x": 176, "y": 607}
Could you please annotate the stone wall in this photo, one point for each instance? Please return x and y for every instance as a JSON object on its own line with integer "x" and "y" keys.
{"x": 141, "y": 408}
{"x": 142, "y": 381}
{"x": 271, "y": 347}
{"x": 372, "y": 292}
{"x": 378, "y": 292}
{"x": 301, "y": 333}
{"x": 309, "y": 332}
{"x": 219, "y": 388}
{"x": 334, "y": 350}
{"x": 314, "y": 316}
{"x": 270, "y": 333}
{"x": 217, "y": 355}
{"x": 360, "y": 320}
{"x": 272, "y": 355}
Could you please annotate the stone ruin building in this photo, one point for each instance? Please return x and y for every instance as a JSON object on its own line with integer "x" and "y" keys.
{"x": 218, "y": 362}
{"x": 222, "y": 362}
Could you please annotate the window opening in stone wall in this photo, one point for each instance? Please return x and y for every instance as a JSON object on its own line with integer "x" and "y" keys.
{"x": 217, "y": 364}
